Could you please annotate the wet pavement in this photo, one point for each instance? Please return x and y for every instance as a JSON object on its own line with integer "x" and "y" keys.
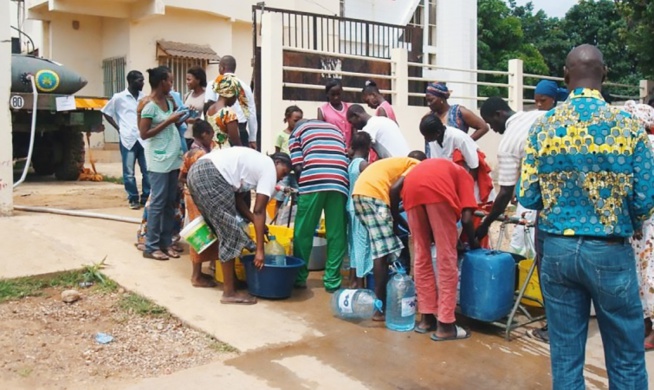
{"x": 288, "y": 344}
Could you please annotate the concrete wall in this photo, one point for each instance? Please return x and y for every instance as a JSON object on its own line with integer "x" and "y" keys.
{"x": 179, "y": 26}
{"x": 79, "y": 49}
{"x": 408, "y": 118}
{"x": 6, "y": 159}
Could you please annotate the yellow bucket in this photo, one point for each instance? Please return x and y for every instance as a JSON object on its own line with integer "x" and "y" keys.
{"x": 238, "y": 266}
{"x": 533, "y": 287}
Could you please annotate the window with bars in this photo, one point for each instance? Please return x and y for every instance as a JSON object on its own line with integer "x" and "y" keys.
{"x": 179, "y": 66}
{"x": 114, "y": 75}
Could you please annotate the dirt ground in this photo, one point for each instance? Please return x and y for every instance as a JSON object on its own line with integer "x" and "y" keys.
{"x": 46, "y": 341}
{"x": 69, "y": 195}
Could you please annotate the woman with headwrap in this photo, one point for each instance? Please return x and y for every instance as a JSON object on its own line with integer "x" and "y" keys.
{"x": 644, "y": 247}
{"x": 547, "y": 94}
{"x": 221, "y": 116}
{"x": 455, "y": 115}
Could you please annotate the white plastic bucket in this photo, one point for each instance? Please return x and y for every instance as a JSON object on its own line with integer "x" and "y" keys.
{"x": 198, "y": 235}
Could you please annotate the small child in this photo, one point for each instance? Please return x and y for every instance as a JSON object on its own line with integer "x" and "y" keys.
{"x": 292, "y": 115}
{"x": 358, "y": 240}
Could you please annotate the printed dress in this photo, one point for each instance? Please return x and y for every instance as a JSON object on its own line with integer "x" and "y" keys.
{"x": 219, "y": 122}
{"x": 358, "y": 240}
{"x": 644, "y": 251}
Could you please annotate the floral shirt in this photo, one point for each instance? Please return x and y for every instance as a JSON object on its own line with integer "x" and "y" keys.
{"x": 588, "y": 168}
{"x": 219, "y": 122}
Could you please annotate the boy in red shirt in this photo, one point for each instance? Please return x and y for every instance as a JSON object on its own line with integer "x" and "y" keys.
{"x": 436, "y": 193}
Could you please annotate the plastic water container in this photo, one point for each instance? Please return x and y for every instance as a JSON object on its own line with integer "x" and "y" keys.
{"x": 274, "y": 251}
{"x": 487, "y": 284}
{"x": 400, "y": 301}
{"x": 353, "y": 304}
{"x": 198, "y": 235}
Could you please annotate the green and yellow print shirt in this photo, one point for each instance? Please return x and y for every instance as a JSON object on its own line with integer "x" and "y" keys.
{"x": 588, "y": 168}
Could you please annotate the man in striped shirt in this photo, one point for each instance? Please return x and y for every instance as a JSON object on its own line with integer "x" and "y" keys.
{"x": 514, "y": 128}
{"x": 320, "y": 161}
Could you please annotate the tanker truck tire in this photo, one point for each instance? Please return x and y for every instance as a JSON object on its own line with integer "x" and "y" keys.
{"x": 72, "y": 163}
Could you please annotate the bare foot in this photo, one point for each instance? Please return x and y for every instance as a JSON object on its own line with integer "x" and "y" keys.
{"x": 238, "y": 299}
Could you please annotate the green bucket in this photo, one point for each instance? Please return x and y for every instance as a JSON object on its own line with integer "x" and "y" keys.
{"x": 198, "y": 235}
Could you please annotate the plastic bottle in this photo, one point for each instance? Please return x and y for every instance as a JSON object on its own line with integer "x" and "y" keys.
{"x": 353, "y": 304}
{"x": 400, "y": 301}
{"x": 274, "y": 251}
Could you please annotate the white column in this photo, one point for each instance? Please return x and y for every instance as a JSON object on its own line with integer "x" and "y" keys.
{"x": 400, "y": 84}
{"x": 272, "y": 84}
{"x": 516, "y": 84}
{"x": 646, "y": 90}
{"x": 6, "y": 158}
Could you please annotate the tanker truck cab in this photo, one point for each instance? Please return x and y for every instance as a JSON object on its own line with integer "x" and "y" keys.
{"x": 61, "y": 117}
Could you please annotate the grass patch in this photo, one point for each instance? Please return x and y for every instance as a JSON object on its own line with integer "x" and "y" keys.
{"x": 113, "y": 179}
{"x": 137, "y": 304}
{"x": 25, "y": 372}
{"x": 33, "y": 286}
{"x": 221, "y": 347}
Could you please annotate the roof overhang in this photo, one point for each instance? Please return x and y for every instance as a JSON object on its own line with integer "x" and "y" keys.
{"x": 186, "y": 50}
{"x": 121, "y": 9}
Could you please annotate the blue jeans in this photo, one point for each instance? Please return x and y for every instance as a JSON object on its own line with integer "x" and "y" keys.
{"x": 161, "y": 214}
{"x": 574, "y": 271}
{"x": 130, "y": 157}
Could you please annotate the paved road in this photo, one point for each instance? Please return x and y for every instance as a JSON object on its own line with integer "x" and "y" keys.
{"x": 288, "y": 344}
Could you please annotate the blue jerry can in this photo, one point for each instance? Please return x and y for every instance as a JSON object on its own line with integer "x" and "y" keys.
{"x": 487, "y": 284}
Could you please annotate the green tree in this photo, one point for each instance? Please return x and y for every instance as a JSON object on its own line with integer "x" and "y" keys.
{"x": 599, "y": 22}
{"x": 639, "y": 18}
{"x": 501, "y": 38}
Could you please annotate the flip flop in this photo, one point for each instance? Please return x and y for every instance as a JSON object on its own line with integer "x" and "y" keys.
{"x": 649, "y": 346}
{"x": 432, "y": 328}
{"x": 171, "y": 253}
{"x": 156, "y": 255}
{"x": 461, "y": 334}
{"x": 540, "y": 335}
{"x": 239, "y": 301}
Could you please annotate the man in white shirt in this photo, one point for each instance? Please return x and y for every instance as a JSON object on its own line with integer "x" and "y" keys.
{"x": 120, "y": 112}
{"x": 387, "y": 139}
{"x": 247, "y": 126}
{"x": 514, "y": 127}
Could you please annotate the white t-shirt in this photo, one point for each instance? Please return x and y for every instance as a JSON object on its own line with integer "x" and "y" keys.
{"x": 512, "y": 146}
{"x": 452, "y": 140}
{"x": 245, "y": 169}
{"x": 387, "y": 139}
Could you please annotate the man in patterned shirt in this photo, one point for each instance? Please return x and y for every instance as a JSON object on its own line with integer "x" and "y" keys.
{"x": 320, "y": 161}
{"x": 588, "y": 169}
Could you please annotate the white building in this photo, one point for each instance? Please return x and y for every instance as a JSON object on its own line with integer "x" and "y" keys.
{"x": 103, "y": 39}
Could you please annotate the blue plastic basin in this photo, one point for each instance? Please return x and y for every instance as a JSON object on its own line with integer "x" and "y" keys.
{"x": 272, "y": 281}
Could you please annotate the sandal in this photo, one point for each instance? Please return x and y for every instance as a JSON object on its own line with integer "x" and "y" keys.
{"x": 649, "y": 346}
{"x": 461, "y": 334}
{"x": 541, "y": 335}
{"x": 239, "y": 300}
{"x": 171, "y": 252}
{"x": 431, "y": 328}
{"x": 177, "y": 248}
{"x": 156, "y": 255}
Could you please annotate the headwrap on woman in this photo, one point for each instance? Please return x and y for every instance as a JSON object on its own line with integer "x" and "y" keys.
{"x": 228, "y": 86}
{"x": 643, "y": 112}
{"x": 438, "y": 89}
{"x": 551, "y": 88}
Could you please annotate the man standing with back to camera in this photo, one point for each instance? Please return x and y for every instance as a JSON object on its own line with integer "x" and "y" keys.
{"x": 588, "y": 170}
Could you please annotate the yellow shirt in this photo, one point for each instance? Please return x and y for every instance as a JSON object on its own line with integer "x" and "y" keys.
{"x": 376, "y": 180}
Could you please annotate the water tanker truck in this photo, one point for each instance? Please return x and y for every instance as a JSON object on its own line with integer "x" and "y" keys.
{"x": 61, "y": 117}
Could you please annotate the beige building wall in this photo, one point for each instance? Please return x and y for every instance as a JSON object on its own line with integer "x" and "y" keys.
{"x": 79, "y": 49}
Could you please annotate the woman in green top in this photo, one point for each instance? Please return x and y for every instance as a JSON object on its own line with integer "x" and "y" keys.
{"x": 163, "y": 154}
